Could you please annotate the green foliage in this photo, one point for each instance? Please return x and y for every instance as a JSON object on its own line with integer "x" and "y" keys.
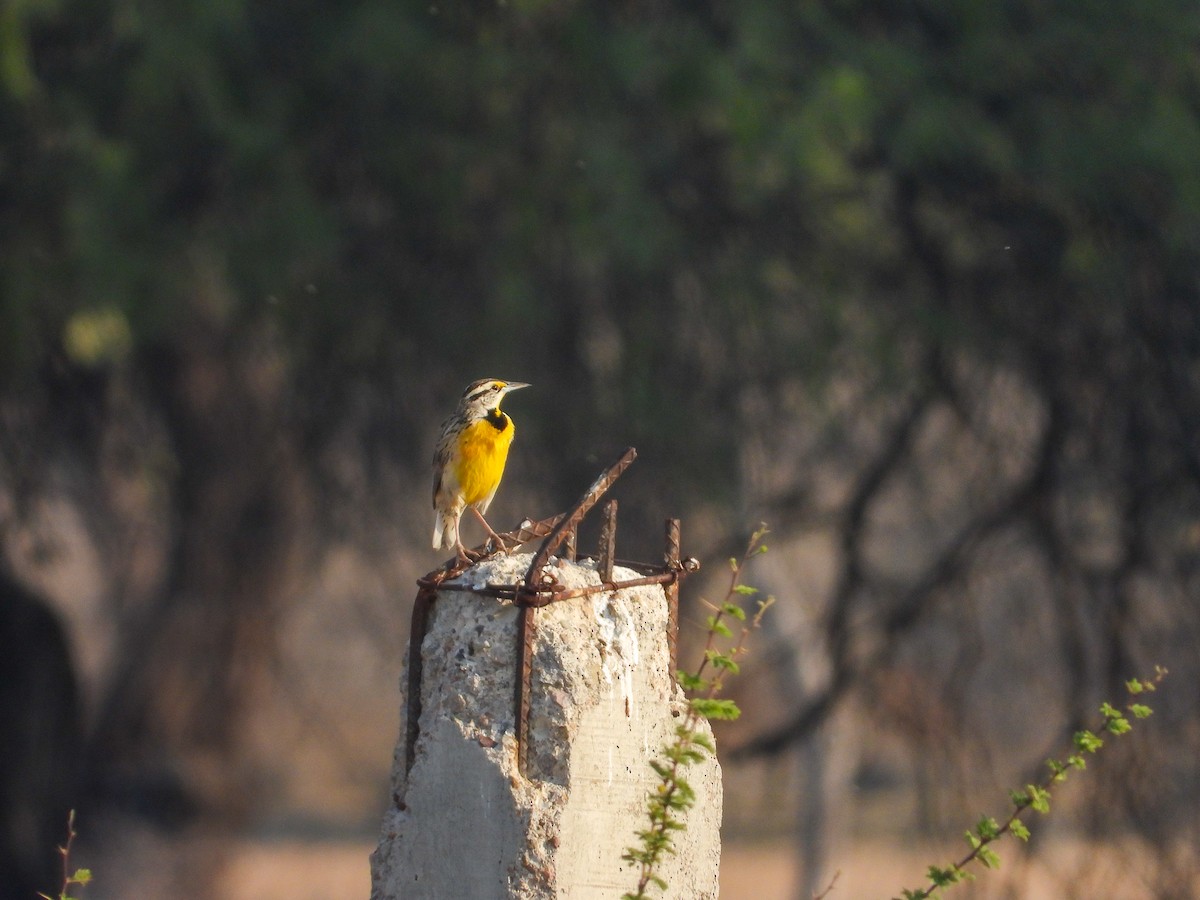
{"x": 717, "y": 627}
{"x": 1034, "y": 797}
{"x": 722, "y": 661}
{"x": 673, "y": 795}
{"x": 1087, "y": 742}
{"x": 1039, "y": 797}
{"x": 466, "y": 164}
{"x": 691, "y": 683}
{"x": 715, "y": 709}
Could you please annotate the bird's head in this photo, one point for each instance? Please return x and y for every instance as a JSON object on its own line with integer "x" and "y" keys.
{"x": 482, "y": 396}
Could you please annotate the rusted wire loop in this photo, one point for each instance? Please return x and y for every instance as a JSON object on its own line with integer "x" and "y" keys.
{"x": 544, "y": 594}
{"x": 535, "y": 595}
{"x": 534, "y": 600}
{"x": 688, "y": 566}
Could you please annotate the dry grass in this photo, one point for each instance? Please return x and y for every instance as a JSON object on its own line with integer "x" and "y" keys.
{"x": 295, "y": 870}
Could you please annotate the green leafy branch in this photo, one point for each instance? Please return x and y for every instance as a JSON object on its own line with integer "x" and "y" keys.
{"x": 80, "y": 876}
{"x": 1036, "y": 796}
{"x": 672, "y": 795}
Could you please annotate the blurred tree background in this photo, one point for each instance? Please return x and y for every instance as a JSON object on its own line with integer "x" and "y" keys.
{"x": 916, "y": 283}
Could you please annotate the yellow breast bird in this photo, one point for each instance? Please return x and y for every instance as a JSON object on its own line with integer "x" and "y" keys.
{"x": 469, "y": 461}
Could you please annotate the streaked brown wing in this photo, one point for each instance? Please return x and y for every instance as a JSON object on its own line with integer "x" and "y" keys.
{"x": 441, "y": 456}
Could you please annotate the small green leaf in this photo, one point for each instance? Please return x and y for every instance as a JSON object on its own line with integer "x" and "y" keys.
{"x": 1109, "y": 711}
{"x": 1140, "y": 711}
{"x": 939, "y": 876}
{"x": 691, "y": 683}
{"x": 733, "y": 563}
{"x": 1134, "y": 686}
{"x": 948, "y": 876}
{"x": 716, "y": 626}
{"x": 988, "y": 857}
{"x": 1039, "y": 798}
{"x": 1087, "y": 742}
{"x": 987, "y": 828}
{"x": 1019, "y": 830}
{"x": 745, "y": 590}
{"x": 725, "y": 710}
{"x": 732, "y": 609}
{"x": 1119, "y": 725}
{"x": 721, "y": 661}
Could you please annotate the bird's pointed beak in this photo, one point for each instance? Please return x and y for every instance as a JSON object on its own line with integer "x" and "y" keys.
{"x": 515, "y": 386}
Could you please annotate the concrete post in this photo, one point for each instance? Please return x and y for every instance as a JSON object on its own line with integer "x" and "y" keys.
{"x": 464, "y": 824}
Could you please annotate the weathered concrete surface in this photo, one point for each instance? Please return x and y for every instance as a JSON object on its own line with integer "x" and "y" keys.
{"x": 464, "y": 824}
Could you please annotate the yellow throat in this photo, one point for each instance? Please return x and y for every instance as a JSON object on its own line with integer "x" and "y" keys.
{"x": 482, "y": 452}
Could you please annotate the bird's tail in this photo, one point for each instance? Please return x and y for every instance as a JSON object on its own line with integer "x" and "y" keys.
{"x": 445, "y": 531}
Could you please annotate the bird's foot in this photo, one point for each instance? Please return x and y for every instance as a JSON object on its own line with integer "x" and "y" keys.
{"x": 497, "y": 543}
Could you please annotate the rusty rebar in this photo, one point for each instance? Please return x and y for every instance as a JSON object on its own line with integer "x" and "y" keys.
{"x": 572, "y": 519}
{"x": 527, "y": 628}
{"x": 553, "y": 592}
{"x": 527, "y": 623}
{"x": 416, "y": 637}
{"x": 423, "y": 608}
{"x": 608, "y": 542}
{"x": 539, "y": 596}
{"x": 522, "y": 534}
{"x": 671, "y": 588}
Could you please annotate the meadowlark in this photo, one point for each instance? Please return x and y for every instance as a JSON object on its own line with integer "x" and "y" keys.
{"x": 469, "y": 461}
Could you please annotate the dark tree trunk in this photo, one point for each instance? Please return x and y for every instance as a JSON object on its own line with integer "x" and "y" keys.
{"x": 39, "y": 743}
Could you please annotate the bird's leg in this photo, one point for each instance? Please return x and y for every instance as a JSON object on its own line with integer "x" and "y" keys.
{"x": 462, "y": 554}
{"x": 488, "y": 528}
